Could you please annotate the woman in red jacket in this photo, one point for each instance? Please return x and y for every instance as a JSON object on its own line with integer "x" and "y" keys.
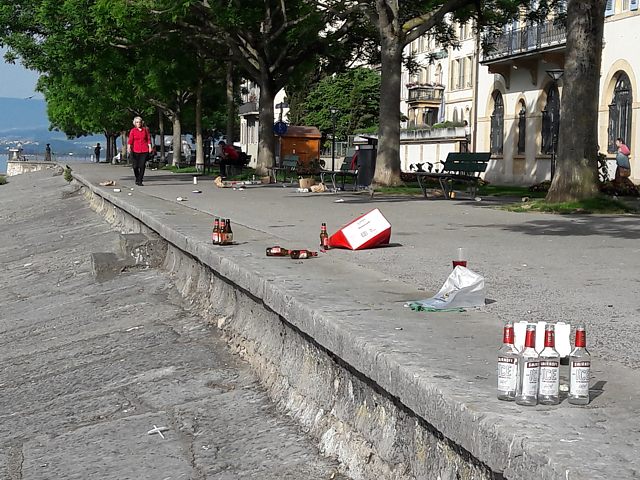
{"x": 139, "y": 147}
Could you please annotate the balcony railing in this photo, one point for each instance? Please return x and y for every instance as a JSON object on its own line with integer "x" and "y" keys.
{"x": 249, "y": 107}
{"x": 424, "y": 93}
{"x": 526, "y": 40}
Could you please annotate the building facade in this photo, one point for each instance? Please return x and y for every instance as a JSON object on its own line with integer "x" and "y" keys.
{"x": 511, "y": 96}
{"x": 249, "y": 113}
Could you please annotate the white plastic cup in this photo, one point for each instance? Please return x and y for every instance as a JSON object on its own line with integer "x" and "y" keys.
{"x": 462, "y": 254}
{"x": 195, "y": 180}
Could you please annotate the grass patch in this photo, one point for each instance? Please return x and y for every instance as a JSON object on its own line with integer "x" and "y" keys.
{"x": 411, "y": 188}
{"x": 508, "y": 191}
{"x": 600, "y": 204}
{"x": 3, "y": 179}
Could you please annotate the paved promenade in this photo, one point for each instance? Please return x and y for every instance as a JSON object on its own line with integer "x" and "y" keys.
{"x": 441, "y": 366}
{"x": 88, "y": 368}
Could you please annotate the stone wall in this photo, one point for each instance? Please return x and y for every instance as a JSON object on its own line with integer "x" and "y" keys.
{"x": 20, "y": 167}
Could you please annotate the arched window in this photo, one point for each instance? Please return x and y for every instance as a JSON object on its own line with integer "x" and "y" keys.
{"x": 522, "y": 128}
{"x": 455, "y": 115}
{"x": 551, "y": 120}
{"x": 620, "y": 113}
{"x": 497, "y": 124}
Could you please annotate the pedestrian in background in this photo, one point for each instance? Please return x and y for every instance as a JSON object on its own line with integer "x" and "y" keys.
{"x": 47, "y": 153}
{"x": 623, "y": 169}
{"x": 96, "y": 151}
{"x": 139, "y": 147}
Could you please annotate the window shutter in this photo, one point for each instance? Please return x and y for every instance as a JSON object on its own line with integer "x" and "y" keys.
{"x": 633, "y": 5}
{"x": 610, "y": 9}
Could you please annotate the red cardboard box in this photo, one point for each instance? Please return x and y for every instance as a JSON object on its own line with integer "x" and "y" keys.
{"x": 367, "y": 231}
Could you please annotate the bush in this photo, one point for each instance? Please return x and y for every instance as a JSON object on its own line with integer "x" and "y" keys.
{"x": 3, "y": 179}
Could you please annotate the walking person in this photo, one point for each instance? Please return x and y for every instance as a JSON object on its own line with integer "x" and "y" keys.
{"x": 96, "y": 151}
{"x": 139, "y": 147}
{"x": 47, "y": 153}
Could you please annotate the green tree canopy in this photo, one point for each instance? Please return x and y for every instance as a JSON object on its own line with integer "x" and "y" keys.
{"x": 356, "y": 95}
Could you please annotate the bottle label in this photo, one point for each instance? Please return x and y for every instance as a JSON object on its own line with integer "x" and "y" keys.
{"x": 579, "y": 383}
{"x": 530, "y": 378}
{"x": 276, "y": 250}
{"x": 507, "y": 374}
{"x": 549, "y": 377}
{"x": 303, "y": 255}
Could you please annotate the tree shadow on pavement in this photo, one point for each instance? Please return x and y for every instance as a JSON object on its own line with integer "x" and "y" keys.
{"x": 583, "y": 226}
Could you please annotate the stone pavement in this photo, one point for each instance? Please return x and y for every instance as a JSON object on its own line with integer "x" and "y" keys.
{"x": 440, "y": 366}
{"x": 87, "y": 368}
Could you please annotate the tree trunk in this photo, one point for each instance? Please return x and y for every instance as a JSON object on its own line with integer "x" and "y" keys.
{"x": 266, "y": 140}
{"x": 161, "y": 129}
{"x": 124, "y": 140}
{"x": 108, "y": 154}
{"x": 199, "y": 145}
{"x": 231, "y": 110}
{"x": 177, "y": 138}
{"x": 576, "y": 171}
{"x": 388, "y": 159}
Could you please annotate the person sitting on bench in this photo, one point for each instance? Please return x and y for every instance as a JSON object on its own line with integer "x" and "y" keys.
{"x": 230, "y": 156}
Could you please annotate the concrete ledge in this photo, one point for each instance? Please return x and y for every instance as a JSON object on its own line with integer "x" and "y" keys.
{"x": 20, "y": 167}
{"x": 390, "y": 389}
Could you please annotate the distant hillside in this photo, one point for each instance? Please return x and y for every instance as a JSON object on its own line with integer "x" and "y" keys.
{"x": 22, "y": 114}
{"x": 26, "y": 121}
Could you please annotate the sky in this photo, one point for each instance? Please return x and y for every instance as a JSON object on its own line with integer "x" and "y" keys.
{"x": 16, "y": 81}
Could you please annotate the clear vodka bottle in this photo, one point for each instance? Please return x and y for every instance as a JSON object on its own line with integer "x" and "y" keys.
{"x": 507, "y": 366}
{"x": 580, "y": 369}
{"x": 528, "y": 370}
{"x": 549, "y": 389}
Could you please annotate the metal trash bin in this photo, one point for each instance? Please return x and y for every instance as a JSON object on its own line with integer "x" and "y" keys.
{"x": 367, "y": 153}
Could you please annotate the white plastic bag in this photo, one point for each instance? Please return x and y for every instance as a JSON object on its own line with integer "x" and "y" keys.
{"x": 463, "y": 288}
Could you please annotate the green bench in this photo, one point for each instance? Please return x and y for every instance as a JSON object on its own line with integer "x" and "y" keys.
{"x": 345, "y": 171}
{"x": 287, "y": 166}
{"x": 458, "y": 167}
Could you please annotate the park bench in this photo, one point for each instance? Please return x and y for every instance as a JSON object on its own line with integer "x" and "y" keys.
{"x": 458, "y": 167}
{"x": 343, "y": 172}
{"x": 288, "y": 167}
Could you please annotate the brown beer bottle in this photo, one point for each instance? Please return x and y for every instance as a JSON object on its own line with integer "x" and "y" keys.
{"x": 324, "y": 237}
{"x": 215, "y": 235}
{"x": 228, "y": 234}
{"x": 300, "y": 254}
{"x": 277, "y": 251}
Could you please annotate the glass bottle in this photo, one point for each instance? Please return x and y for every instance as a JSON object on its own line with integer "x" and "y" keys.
{"x": 507, "y": 365}
{"x": 300, "y": 254}
{"x": 528, "y": 370}
{"x": 549, "y": 389}
{"x": 580, "y": 369}
{"x": 324, "y": 237}
{"x": 228, "y": 234}
{"x": 277, "y": 251}
{"x": 215, "y": 235}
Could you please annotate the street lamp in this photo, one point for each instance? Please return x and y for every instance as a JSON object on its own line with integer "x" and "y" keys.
{"x": 334, "y": 113}
{"x": 555, "y": 74}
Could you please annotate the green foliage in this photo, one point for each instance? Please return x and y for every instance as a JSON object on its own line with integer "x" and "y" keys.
{"x": 67, "y": 174}
{"x": 356, "y": 95}
{"x": 599, "y": 204}
{"x": 309, "y": 168}
{"x": 3, "y": 180}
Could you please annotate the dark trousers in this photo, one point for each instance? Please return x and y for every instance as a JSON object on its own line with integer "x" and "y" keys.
{"x": 224, "y": 162}
{"x": 139, "y": 161}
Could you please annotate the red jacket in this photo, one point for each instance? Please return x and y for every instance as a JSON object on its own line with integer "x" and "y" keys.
{"x": 140, "y": 140}
{"x": 230, "y": 152}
